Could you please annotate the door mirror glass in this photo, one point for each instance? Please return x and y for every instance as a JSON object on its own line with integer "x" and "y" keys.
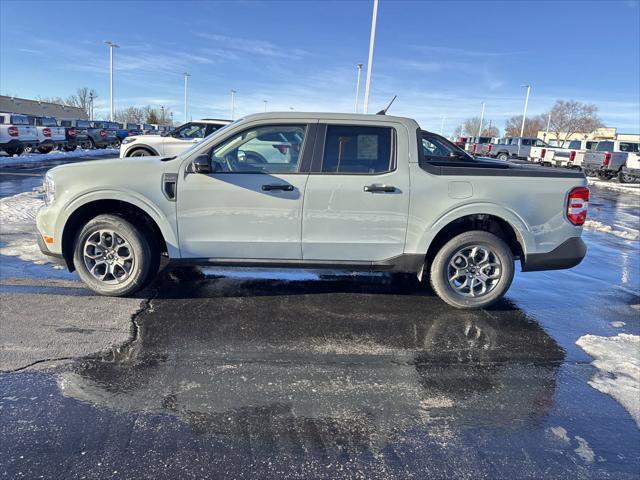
{"x": 201, "y": 164}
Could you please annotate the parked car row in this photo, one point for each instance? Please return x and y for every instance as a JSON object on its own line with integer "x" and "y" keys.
{"x": 605, "y": 159}
{"x": 27, "y": 133}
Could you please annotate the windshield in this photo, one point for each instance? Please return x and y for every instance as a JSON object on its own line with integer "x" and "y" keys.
{"x": 49, "y": 122}
{"x": 83, "y": 123}
{"x": 19, "y": 120}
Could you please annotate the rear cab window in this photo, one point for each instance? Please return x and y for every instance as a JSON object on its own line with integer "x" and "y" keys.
{"x": 351, "y": 149}
{"x": 435, "y": 148}
{"x": 604, "y": 147}
{"x": 629, "y": 147}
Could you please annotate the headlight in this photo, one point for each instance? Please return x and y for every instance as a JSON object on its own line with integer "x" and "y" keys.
{"x": 128, "y": 140}
{"x": 49, "y": 188}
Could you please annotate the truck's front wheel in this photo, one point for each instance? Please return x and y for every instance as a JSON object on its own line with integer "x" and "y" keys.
{"x": 113, "y": 256}
{"x": 472, "y": 270}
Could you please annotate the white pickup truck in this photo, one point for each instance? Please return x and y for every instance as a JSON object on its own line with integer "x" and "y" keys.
{"x": 516, "y": 148}
{"x": 50, "y": 135}
{"x": 16, "y": 134}
{"x": 570, "y": 154}
{"x": 609, "y": 158}
{"x": 316, "y": 190}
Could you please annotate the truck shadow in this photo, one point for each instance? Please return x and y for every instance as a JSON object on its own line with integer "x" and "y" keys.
{"x": 323, "y": 369}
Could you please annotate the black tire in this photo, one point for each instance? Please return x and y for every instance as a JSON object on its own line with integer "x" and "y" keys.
{"x": 69, "y": 148}
{"x": 11, "y": 151}
{"x": 440, "y": 268}
{"x": 136, "y": 243}
{"x": 604, "y": 176}
{"x": 45, "y": 150}
{"x": 626, "y": 178}
{"x": 503, "y": 156}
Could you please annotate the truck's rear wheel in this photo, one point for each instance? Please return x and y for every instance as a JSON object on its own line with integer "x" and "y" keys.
{"x": 114, "y": 257}
{"x": 45, "y": 149}
{"x": 11, "y": 151}
{"x": 624, "y": 177}
{"x": 472, "y": 270}
{"x": 503, "y": 156}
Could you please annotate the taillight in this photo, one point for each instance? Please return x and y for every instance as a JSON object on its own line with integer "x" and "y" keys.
{"x": 46, "y": 132}
{"x": 572, "y": 155}
{"x": 607, "y": 158}
{"x": 72, "y": 132}
{"x": 13, "y": 131}
{"x": 577, "y": 205}
{"x": 543, "y": 152}
{"x": 489, "y": 148}
{"x": 475, "y": 147}
{"x": 103, "y": 133}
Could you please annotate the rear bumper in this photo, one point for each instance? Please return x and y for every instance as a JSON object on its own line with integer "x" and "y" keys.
{"x": 566, "y": 255}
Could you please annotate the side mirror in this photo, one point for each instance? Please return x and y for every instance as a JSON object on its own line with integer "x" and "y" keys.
{"x": 201, "y": 164}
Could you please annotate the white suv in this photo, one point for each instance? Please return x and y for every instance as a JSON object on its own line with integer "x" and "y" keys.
{"x": 172, "y": 143}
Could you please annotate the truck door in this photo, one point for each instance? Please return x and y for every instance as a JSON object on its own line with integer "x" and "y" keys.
{"x": 357, "y": 197}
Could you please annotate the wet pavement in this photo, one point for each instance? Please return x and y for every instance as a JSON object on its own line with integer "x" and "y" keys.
{"x": 336, "y": 377}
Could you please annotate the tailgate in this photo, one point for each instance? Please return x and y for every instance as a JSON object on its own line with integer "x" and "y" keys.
{"x": 27, "y": 133}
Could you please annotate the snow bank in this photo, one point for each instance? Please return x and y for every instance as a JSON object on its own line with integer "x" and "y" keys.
{"x": 618, "y": 362}
{"x": 601, "y": 227}
{"x": 38, "y": 158}
{"x": 633, "y": 188}
{"x": 17, "y": 221}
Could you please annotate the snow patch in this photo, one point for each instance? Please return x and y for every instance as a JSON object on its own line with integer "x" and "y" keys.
{"x": 618, "y": 362}
{"x": 36, "y": 158}
{"x": 618, "y": 324}
{"x": 633, "y": 188}
{"x": 601, "y": 227}
{"x": 560, "y": 433}
{"x": 583, "y": 450}
{"x": 20, "y": 209}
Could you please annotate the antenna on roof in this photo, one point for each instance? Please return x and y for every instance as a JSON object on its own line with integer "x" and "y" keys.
{"x": 384, "y": 111}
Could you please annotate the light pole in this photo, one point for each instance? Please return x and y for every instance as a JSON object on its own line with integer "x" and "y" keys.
{"x": 186, "y": 103}
{"x": 162, "y": 114}
{"x": 372, "y": 40}
{"x": 265, "y": 105}
{"x": 111, "y": 47}
{"x": 481, "y": 119}
{"x": 442, "y": 125}
{"x": 233, "y": 102}
{"x": 546, "y": 133}
{"x": 91, "y": 106}
{"x": 524, "y": 115}
{"x": 359, "y": 67}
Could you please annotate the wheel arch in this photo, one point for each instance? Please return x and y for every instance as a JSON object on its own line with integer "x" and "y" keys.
{"x": 504, "y": 225}
{"x": 129, "y": 210}
{"x": 142, "y": 146}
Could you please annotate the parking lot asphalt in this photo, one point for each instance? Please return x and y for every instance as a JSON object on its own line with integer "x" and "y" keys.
{"x": 251, "y": 375}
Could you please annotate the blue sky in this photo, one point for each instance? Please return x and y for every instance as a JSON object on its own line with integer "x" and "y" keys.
{"x": 440, "y": 58}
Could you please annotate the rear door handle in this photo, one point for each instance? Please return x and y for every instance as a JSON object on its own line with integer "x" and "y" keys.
{"x": 284, "y": 188}
{"x": 379, "y": 188}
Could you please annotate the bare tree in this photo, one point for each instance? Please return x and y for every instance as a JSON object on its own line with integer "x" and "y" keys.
{"x": 82, "y": 98}
{"x": 569, "y": 117}
{"x": 457, "y": 132}
{"x": 471, "y": 125}
{"x": 130, "y": 115}
{"x": 531, "y": 127}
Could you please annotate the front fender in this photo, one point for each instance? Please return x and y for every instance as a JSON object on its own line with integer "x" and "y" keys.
{"x": 159, "y": 216}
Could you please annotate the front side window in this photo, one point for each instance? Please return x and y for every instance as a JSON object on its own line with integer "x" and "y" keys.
{"x": 574, "y": 145}
{"x": 189, "y": 131}
{"x": 264, "y": 149}
{"x": 357, "y": 149}
{"x": 628, "y": 147}
{"x": 592, "y": 145}
{"x": 539, "y": 143}
{"x": 526, "y": 142}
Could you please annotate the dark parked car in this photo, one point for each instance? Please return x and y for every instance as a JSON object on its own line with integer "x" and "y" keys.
{"x": 127, "y": 130}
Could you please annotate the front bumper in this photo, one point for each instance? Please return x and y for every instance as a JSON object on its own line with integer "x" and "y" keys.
{"x": 566, "y": 255}
{"x": 56, "y": 257}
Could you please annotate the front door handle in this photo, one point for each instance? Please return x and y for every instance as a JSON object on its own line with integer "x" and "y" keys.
{"x": 284, "y": 188}
{"x": 379, "y": 188}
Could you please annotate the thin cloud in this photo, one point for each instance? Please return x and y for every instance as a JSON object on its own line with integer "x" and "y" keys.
{"x": 461, "y": 51}
{"x": 254, "y": 47}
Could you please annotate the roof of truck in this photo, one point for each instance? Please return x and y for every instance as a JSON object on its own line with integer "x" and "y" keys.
{"x": 355, "y": 117}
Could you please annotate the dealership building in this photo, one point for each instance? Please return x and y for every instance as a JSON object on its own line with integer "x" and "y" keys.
{"x": 41, "y": 109}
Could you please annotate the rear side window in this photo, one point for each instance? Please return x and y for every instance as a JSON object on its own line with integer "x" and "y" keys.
{"x": 592, "y": 145}
{"x": 604, "y": 147}
{"x": 351, "y": 149}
